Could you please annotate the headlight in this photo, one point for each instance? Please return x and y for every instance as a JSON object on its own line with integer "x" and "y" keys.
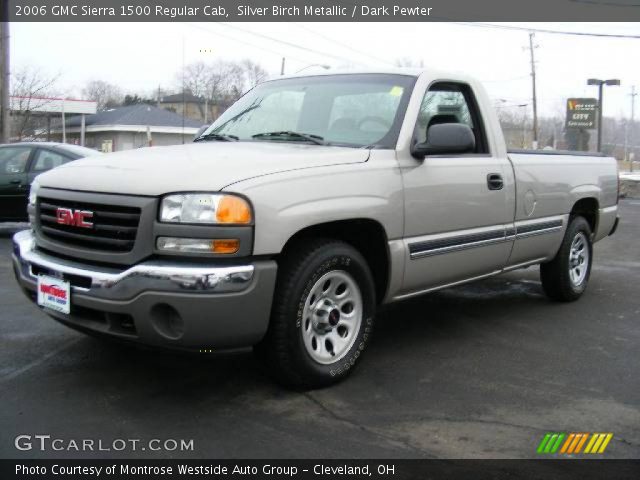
{"x": 33, "y": 192}
{"x": 205, "y": 208}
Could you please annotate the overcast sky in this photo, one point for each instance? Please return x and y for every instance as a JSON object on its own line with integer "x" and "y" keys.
{"x": 141, "y": 56}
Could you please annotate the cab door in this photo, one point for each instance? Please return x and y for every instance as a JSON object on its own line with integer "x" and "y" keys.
{"x": 458, "y": 208}
{"x": 14, "y": 184}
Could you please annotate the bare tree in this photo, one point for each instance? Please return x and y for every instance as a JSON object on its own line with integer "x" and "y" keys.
{"x": 107, "y": 95}
{"x": 31, "y": 89}
{"x": 220, "y": 81}
{"x": 225, "y": 80}
{"x": 253, "y": 72}
{"x": 196, "y": 79}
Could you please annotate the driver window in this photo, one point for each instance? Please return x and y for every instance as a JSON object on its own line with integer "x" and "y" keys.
{"x": 450, "y": 103}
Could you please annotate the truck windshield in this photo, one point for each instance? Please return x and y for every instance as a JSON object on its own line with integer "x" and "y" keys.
{"x": 356, "y": 110}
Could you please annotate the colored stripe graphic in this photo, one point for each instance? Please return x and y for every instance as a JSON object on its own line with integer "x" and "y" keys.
{"x": 581, "y": 443}
{"x": 567, "y": 442}
{"x": 605, "y": 443}
{"x": 551, "y": 442}
{"x": 598, "y": 442}
{"x": 544, "y": 442}
{"x": 572, "y": 443}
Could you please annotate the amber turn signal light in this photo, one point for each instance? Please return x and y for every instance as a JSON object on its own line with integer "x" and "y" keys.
{"x": 225, "y": 246}
{"x": 232, "y": 209}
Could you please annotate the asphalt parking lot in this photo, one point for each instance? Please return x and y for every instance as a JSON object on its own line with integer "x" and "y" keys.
{"x": 480, "y": 371}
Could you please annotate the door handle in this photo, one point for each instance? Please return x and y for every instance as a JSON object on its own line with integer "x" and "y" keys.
{"x": 494, "y": 181}
{"x": 15, "y": 182}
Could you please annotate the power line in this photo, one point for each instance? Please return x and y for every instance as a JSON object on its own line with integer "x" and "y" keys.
{"x": 211, "y": 32}
{"x": 289, "y": 44}
{"x": 504, "y": 80}
{"x": 543, "y": 30}
{"x": 344, "y": 45}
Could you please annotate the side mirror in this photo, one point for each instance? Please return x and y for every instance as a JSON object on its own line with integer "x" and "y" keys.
{"x": 445, "y": 138}
{"x": 200, "y": 131}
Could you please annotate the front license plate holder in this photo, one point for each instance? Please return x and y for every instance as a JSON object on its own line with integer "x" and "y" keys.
{"x": 54, "y": 294}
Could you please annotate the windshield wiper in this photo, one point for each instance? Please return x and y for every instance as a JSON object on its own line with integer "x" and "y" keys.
{"x": 317, "y": 139}
{"x": 217, "y": 136}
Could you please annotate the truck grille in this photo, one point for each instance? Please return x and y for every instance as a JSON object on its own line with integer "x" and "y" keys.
{"x": 114, "y": 227}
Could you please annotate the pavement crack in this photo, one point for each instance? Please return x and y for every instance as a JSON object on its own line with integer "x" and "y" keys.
{"x": 339, "y": 418}
{"x": 483, "y": 421}
{"x": 38, "y": 361}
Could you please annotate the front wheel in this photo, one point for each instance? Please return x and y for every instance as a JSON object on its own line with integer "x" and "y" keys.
{"x": 565, "y": 278}
{"x": 322, "y": 316}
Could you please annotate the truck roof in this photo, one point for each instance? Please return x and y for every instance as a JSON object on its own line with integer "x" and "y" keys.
{"x": 413, "y": 72}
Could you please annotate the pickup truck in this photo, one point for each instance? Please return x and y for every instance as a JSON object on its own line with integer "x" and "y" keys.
{"x": 310, "y": 202}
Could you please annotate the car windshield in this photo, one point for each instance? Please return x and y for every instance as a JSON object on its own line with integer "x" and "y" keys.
{"x": 358, "y": 110}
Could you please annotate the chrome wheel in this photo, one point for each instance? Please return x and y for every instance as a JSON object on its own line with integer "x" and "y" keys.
{"x": 579, "y": 259}
{"x": 332, "y": 317}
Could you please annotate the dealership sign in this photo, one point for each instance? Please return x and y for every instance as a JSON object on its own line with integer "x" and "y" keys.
{"x": 581, "y": 113}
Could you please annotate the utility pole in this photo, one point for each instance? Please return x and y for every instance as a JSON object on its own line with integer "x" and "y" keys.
{"x": 282, "y": 67}
{"x": 534, "y": 96}
{"x": 633, "y": 108}
{"x": 5, "y": 134}
{"x": 184, "y": 112}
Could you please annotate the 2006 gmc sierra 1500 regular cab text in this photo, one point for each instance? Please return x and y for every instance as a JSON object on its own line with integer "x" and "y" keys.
{"x": 308, "y": 203}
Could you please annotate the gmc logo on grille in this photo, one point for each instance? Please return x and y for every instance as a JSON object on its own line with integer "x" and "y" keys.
{"x": 74, "y": 218}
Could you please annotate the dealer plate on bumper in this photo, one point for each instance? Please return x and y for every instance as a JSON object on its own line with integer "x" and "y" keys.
{"x": 54, "y": 293}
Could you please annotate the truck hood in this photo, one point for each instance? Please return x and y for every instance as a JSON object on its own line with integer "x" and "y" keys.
{"x": 202, "y": 166}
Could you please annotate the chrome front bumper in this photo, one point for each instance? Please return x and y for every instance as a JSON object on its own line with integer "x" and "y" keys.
{"x": 168, "y": 303}
{"x": 111, "y": 283}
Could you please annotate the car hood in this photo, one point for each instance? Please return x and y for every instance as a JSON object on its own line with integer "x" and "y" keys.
{"x": 202, "y": 166}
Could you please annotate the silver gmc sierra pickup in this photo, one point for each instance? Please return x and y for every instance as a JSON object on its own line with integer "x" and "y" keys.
{"x": 306, "y": 205}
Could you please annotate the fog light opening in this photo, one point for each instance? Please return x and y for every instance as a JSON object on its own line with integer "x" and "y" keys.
{"x": 167, "y": 321}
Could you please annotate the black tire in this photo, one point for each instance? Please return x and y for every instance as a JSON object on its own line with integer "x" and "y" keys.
{"x": 283, "y": 348}
{"x": 556, "y": 277}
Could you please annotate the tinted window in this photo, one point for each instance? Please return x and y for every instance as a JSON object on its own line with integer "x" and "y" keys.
{"x": 14, "y": 159}
{"x": 47, "y": 159}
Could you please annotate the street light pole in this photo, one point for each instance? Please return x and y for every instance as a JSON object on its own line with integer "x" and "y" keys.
{"x": 600, "y": 116}
{"x": 601, "y": 84}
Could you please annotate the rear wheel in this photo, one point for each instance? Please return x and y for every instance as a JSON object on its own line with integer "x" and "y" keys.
{"x": 322, "y": 316}
{"x": 565, "y": 278}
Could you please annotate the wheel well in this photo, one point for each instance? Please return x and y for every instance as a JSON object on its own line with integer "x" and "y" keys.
{"x": 587, "y": 208}
{"x": 365, "y": 235}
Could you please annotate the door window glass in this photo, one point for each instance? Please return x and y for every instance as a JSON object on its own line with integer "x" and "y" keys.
{"x": 13, "y": 160}
{"x": 450, "y": 103}
{"x": 46, "y": 160}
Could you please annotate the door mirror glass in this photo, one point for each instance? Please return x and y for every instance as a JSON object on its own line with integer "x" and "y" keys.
{"x": 446, "y": 138}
